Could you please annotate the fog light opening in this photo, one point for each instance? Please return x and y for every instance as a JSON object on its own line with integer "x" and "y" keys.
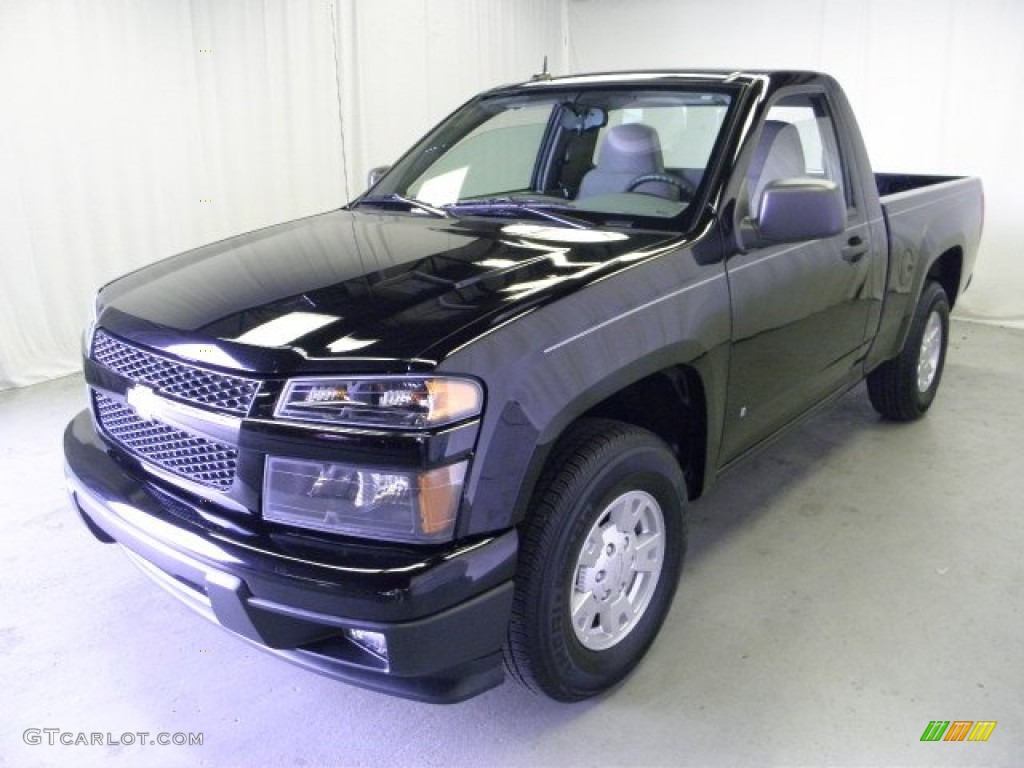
{"x": 374, "y": 643}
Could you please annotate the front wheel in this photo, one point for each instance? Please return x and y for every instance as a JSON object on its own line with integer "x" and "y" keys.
{"x": 600, "y": 559}
{"x": 903, "y": 388}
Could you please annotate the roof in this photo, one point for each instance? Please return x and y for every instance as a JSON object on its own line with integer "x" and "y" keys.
{"x": 743, "y": 77}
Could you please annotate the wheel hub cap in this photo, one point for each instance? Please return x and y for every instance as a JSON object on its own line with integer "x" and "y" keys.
{"x": 610, "y": 575}
{"x": 617, "y": 570}
{"x": 931, "y": 351}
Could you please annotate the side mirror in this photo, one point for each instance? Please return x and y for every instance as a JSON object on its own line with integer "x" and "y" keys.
{"x": 794, "y": 210}
{"x": 376, "y": 174}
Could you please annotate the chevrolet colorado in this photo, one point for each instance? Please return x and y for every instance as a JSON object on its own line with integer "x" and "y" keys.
{"x": 450, "y": 431}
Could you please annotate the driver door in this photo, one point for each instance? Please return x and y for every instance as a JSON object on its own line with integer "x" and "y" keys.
{"x": 799, "y": 310}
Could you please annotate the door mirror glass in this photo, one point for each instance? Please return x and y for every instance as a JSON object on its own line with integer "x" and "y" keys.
{"x": 794, "y": 210}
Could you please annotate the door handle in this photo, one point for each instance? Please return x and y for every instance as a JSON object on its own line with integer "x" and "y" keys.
{"x": 854, "y": 250}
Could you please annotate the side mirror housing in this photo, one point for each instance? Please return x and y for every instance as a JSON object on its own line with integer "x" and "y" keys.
{"x": 795, "y": 210}
{"x": 376, "y": 174}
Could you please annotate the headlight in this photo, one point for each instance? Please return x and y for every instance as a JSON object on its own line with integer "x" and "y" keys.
{"x": 410, "y": 402}
{"x": 389, "y": 504}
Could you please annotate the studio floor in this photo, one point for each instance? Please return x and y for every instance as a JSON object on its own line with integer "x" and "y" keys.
{"x": 854, "y": 582}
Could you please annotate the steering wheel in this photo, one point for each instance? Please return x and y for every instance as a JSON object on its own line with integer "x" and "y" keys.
{"x": 686, "y": 190}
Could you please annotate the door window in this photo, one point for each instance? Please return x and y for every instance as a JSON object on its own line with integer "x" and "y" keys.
{"x": 798, "y": 140}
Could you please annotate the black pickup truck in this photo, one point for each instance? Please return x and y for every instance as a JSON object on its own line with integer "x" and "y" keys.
{"x": 452, "y": 429}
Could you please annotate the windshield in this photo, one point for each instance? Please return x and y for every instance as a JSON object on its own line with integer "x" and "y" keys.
{"x": 624, "y": 157}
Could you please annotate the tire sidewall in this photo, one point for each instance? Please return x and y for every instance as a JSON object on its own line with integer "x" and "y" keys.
{"x": 935, "y": 302}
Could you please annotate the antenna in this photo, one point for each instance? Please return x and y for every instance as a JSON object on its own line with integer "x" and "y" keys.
{"x": 544, "y": 75}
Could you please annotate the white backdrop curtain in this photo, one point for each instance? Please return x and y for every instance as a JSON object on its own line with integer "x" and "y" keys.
{"x": 130, "y": 131}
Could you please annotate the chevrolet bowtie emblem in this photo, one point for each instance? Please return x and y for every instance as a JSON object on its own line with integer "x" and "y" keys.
{"x": 146, "y": 403}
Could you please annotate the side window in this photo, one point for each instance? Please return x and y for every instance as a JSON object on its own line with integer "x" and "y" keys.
{"x": 798, "y": 140}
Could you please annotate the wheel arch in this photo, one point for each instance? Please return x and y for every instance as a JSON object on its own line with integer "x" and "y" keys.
{"x": 680, "y": 416}
{"x": 947, "y": 270}
{"x": 672, "y": 404}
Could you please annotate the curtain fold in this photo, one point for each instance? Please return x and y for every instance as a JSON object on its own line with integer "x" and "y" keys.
{"x": 132, "y": 131}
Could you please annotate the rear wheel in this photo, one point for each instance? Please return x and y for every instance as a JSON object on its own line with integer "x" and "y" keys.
{"x": 903, "y": 388}
{"x": 600, "y": 560}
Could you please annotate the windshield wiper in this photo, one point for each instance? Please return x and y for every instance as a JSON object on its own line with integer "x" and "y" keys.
{"x": 537, "y": 208}
{"x": 411, "y": 202}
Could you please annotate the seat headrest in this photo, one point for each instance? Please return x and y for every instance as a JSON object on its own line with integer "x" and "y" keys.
{"x": 779, "y": 155}
{"x": 631, "y": 148}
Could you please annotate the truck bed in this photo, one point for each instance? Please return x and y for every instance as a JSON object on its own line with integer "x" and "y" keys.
{"x": 894, "y": 183}
{"x": 925, "y": 215}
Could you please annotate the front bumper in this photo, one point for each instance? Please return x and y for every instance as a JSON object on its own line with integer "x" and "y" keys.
{"x": 443, "y": 612}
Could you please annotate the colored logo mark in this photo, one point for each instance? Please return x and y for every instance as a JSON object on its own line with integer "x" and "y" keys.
{"x": 958, "y": 730}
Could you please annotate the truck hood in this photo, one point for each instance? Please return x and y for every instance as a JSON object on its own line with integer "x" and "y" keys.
{"x": 349, "y": 285}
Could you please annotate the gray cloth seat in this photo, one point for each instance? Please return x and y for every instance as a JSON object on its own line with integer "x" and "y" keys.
{"x": 628, "y": 151}
{"x": 779, "y": 155}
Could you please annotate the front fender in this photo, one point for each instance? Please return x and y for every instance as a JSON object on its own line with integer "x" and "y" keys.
{"x": 546, "y": 369}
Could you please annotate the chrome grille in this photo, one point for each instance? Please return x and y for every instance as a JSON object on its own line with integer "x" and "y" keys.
{"x": 195, "y": 458}
{"x": 191, "y": 383}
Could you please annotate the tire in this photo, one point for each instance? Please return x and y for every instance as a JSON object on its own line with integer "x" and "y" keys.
{"x": 605, "y": 540}
{"x": 903, "y": 388}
